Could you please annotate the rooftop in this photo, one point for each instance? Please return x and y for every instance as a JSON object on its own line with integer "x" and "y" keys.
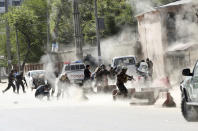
{"x": 180, "y": 2}
{"x": 181, "y": 47}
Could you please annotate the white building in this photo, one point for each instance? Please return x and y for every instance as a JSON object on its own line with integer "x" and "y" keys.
{"x": 167, "y": 35}
{"x": 11, "y": 3}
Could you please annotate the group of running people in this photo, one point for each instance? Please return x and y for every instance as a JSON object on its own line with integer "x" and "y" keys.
{"x": 15, "y": 80}
{"x": 100, "y": 76}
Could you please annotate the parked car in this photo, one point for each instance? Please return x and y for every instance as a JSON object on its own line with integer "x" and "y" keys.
{"x": 30, "y": 77}
{"x": 74, "y": 71}
{"x": 189, "y": 94}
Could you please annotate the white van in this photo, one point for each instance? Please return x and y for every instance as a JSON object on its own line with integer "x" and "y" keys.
{"x": 74, "y": 71}
{"x": 31, "y": 75}
{"x": 127, "y": 61}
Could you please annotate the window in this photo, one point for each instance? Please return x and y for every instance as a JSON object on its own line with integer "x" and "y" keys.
{"x": 82, "y": 66}
{"x": 2, "y": 4}
{"x": 77, "y": 67}
{"x": 67, "y": 67}
{"x": 16, "y": 3}
{"x": 124, "y": 61}
{"x": 196, "y": 70}
{"x": 73, "y": 67}
{"x": 171, "y": 27}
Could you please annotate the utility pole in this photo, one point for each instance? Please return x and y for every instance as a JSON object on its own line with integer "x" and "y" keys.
{"x": 0, "y": 74}
{"x": 18, "y": 53}
{"x": 48, "y": 28}
{"x": 8, "y": 47}
{"x": 97, "y": 33}
{"x": 77, "y": 31}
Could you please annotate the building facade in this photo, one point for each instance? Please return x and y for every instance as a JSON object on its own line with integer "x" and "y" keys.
{"x": 11, "y": 3}
{"x": 166, "y": 37}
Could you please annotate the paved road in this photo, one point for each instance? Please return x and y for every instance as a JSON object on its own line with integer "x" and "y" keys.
{"x": 94, "y": 118}
{"x": 23, "y": 112}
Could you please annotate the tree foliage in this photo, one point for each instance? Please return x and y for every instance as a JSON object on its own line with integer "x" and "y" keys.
{"x": 29, "y": 20}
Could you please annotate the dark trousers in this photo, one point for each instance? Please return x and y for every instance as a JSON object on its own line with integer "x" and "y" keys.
{"x": 40, "y": 95}
{"x": 18, "y": 84}
{"x": 10, "y": 84}
{"x": 122, "y": 89}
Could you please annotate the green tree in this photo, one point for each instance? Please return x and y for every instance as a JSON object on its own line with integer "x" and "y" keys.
{"x": 30, "y": 20}
{"x": 61, "y": 21}
{"x": 22, "y": 19}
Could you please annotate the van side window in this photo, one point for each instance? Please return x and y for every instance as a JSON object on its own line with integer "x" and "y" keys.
{"x": 67, "y": 68}
{"x": 77, "y": 67}
{"x": 131, "y": 61}
{"x": 73, "y": 67}
{"x": 82, "y": 66}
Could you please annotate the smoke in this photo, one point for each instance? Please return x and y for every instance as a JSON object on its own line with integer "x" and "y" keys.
{"x": 48, "y": 61}
{"x": 186, "y": 35}
{"x": 141, "y": 6}
{"x": 121, "y": 44}
{"x": 186, "y": 23}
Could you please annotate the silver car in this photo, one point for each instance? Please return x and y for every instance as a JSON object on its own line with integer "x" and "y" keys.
{"x": 189, "y": 93}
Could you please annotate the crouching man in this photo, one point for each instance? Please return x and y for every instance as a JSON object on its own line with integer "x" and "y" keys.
{"x": 42, "y": 91}
{"x": 122, "y": 78}
{"x": 63, "y": 84}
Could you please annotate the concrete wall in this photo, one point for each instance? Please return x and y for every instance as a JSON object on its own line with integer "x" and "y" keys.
{"x": 108, "y": 52}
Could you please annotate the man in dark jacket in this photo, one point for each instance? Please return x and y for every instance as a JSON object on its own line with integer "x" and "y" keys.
{"x": 87, "y": 73}
{"x": 11, "y": 79}
{"x": 42, "y": 91}
{"x": 122, "y": 78}
{"x": 19, "y": 82}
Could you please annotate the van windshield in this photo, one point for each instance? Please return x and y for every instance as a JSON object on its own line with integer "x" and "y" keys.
{"x": 124, "y": 61}
{"x": 74, "y": 67}
{"x": 37, "y": 73}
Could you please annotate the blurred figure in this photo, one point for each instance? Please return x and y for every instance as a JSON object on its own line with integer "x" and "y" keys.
{"x": 62, "y": 85}
{"x": 42, "y": 91}
{"x": 112, "y": 73}
{"x": 56, "y": 73}
{"x": 122, "y": 78}
{"x": 19, "y": 82}
{"x": 87, "y": 73}
{"x": 104, "y": 75}
{"x": 150, "y": 67}
{"x": 98, "y": 76}
{"x": 11, "y": 79}
{"x": 138, "y": 64}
